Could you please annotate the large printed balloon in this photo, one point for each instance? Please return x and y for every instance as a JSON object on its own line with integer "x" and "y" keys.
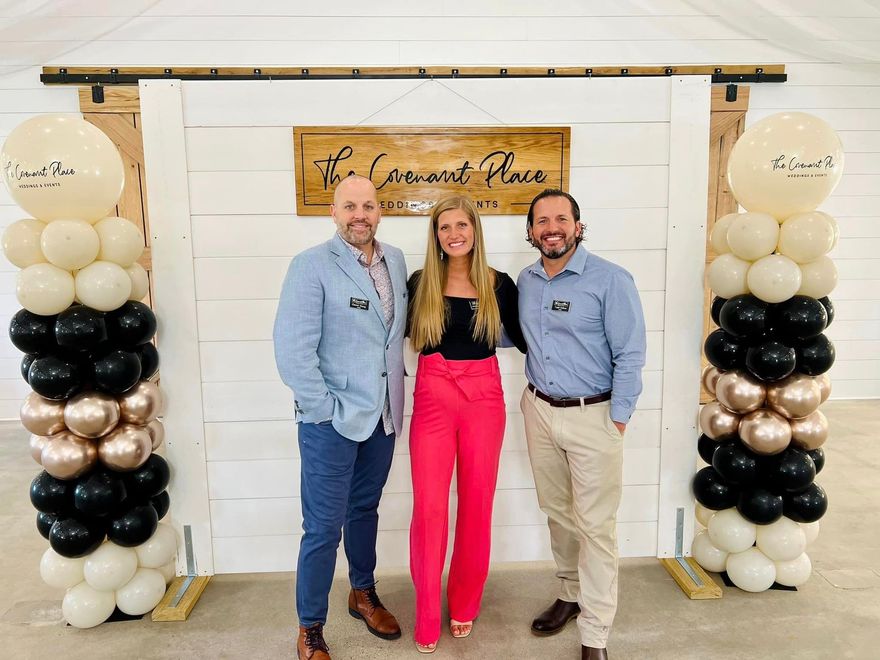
{"x": 785, "y": 164}
{"x": 61, "y": 166}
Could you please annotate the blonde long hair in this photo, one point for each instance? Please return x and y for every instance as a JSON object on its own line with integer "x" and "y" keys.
{"x": 429, "y": 310}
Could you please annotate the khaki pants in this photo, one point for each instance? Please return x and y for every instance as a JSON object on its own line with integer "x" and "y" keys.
{"x": 577, "y": 460}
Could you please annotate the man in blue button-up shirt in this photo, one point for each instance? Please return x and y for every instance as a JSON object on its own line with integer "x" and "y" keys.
{"x": 583, "y": 323}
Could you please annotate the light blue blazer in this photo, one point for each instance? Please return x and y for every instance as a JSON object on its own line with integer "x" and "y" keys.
{"x": 332, "y": 346}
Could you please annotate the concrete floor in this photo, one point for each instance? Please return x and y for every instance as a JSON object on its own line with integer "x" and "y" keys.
{"x": 835, "y": 615}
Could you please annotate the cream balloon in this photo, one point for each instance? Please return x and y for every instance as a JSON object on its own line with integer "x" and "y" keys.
{"x": 70, "y": 244}
{"x": 718, "y": 422}
{"x": 710, "y": 377}
{"x": 751, "y": 570}
{"x": 718, "y": 237}
{"x": 21, "y": 243}
{"x": 751, "y": 236}
{"x": 103, "y": 285}
{"x": 774, "y": 278}
{"x": 168, "y": 571}
{"x": 731, "y": 532}
{"x": 807, "y": 236}
{"x": 739, "y": 392}
{"x": 707, "y": 555}
{"x": 782, "y": 540}
{"x": 142, "y": 593}
{"x": 811, "y": 530}
{"x": 818, "y": 278}
{"x": 824, "y": 383}
{"x": 703, "y": 514}
{"x": 61, "y": 166}
{"x": 160, "y": 548}
{"x": 110, "y": 567}
{"x": 140, "y": 282}
{"x": 765, "y": 432}
{"x": 121, "y": 242}
{"x": 42, "y": 416}
{"x": 141, "y": 404}
{"x": 809, "y": 432}
{"x": 91, "y": 414}
{"x": 795, "y": 396}
{"x": 44, "y": 289}
{"x": 61, "y": 572}
{"x": 727, "y": 276}
{"x": 85, "y": 607}
{"x": 795, "y": 572}
{"x": 785, "y": 164}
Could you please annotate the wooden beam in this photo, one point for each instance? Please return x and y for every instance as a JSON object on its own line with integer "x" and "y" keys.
{"x": 116, "y": 99}
{"x": 121, "y": 129}
{"x": 708, "y": 590}
{"x": 164, "y": 611}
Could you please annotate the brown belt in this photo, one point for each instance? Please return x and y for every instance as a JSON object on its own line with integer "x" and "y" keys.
{"x": 567, "y": 403}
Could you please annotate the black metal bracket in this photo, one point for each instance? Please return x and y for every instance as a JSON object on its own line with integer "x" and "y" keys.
{"x": 730, "y": 94}
{"x": 97, "y": 94}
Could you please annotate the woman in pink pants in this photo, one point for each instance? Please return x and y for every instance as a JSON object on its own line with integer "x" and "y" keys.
{"x": 458, "y": 305}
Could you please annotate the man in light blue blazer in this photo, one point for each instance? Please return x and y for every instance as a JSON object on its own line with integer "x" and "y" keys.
{"x": 339, "y": 347}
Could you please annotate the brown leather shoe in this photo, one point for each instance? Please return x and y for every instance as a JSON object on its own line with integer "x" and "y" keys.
{"x": 311, "y": 645}
{"x": 365, "y": 604}
{"x": 554, "y": 618}
{"x": 590, "y": 653}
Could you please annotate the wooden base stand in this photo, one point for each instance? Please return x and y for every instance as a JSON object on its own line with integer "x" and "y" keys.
{"x": 703, "y": 588}
{"x": 180, "y": 598}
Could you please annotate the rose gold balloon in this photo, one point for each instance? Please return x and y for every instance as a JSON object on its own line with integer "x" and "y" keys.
{"x": 796, "y": 396}
{"x": 824, "y": 383}
{"x": 41, "y": 416}
{"x": 141, "y": 404}
{"x": 91, "y": 414}
{"x": 739, "y": 392}
{"x": 810, "y": 432}
{"x": 157, "y": 433}
{"x": 37, "y": 442}
{"x": 718, "y": 422}
{"x": 709, "y": 378}
{"x": 765, "y": 432}
{"x": 67, "y": 456}
{"x": 125, "y": 448}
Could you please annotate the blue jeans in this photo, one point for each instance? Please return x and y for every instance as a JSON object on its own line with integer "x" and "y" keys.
{"x": 341, "y": 482}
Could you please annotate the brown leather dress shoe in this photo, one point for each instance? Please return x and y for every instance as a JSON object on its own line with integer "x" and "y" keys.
{"x": 554, "y": 618}
{"x": 590, "y": 653}
{"x": 311, "y": 645}
{"x": 365, "y": 604}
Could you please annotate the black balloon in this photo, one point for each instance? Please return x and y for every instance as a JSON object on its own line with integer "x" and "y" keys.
{"x": 744, "y": 317}
{"x": 791, "y": 471}
{"x": 799, "y": 317}
{"x": 134, "y": 526}
{"x": 70, "y": 537}
{"x": 712, "y": 491}
{"x": 131, "y": 325}
{"x": 717, "y": 304}
{"x": 54, "y": 377}
{"x": 807, "y": 506}
{"x": 99, "y": 494}
{"x": 26, "y": 361}
{"x": 735, "y": 463}
{"x": 149, "y": 357}
{"x": 760, "y": 506}
{"x": 32, "y": 333}
{"x": 770, "y": 361}
{"x": 116, "y": 371}
{"x": 51, "y": 495}
{"x": 80, "y": 327}
{"x": 829, "y": 309}
{"x": 818, "y": 456}
{"x": 706, "y": 447}
{"x": 149, "y": 479}
{"x": 815, "y": 356}
{"x": 45, "y": 522}
{"x": 724, "y": 351}
{"x": 161, "y": 503}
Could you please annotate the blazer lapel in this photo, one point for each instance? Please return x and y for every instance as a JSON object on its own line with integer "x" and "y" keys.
{"x": 350, "y": 266}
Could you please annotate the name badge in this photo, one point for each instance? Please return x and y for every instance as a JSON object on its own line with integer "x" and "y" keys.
{"x": 561, "y": 305}
{"x": 359, "y": 303}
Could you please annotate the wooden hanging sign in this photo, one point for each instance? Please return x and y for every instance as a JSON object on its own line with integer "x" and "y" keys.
{"x": 500, "y": 168}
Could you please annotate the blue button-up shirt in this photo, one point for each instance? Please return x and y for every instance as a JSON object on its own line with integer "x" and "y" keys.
{"x": 585, "y": 331}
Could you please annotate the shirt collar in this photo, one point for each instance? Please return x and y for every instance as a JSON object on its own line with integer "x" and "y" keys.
{"x": 576, "y": 264}
{"x": 378, "y": 253}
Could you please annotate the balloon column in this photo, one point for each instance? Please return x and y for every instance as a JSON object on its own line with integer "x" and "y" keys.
{"x": 763, "y": 435}
{"x": 93, "y": 413}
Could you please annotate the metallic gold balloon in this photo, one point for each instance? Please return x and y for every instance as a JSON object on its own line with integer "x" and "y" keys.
{"x": 739, "y": 392}
{"x": 141, "y": 404}
{"x": 795, "y": 396}
{"x": 765, "y": 432}
{"x": 41, "y": 416}
{"x": 810, "y": 432}
{"x": 37, "y": 442}
{"x": 824, "y": 383}
{"x": 157, "y": 433}
{"x": 718, "y": 422}
{"x": 710, "y": 377}
{"x": 67, "y": 456}
{"x": 91, "y": 414}
{"x": 125, "y": 448}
